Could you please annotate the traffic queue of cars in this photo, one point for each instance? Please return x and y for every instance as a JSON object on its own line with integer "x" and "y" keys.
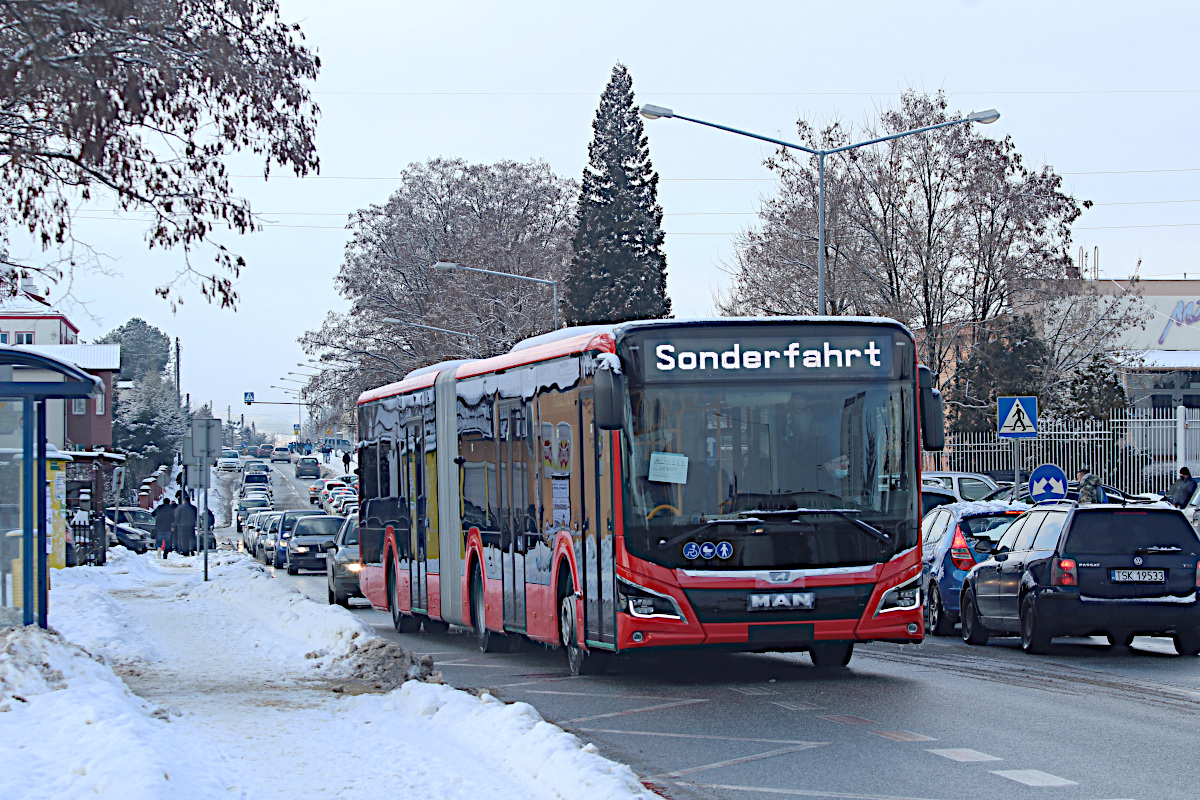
{"x": 1120, "y": 568}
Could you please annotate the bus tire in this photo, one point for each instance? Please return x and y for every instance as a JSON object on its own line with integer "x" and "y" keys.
{"x": 579, "y": 660}
{"x": 488, "y": 641}
{"x": 402, "y": 622}
{"x": 831, "y": 655}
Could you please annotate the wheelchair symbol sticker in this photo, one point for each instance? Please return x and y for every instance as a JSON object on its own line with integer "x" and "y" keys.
{"x": 724, "y": 550}
{"x": 708, "y": 550}
{"x": 691, "y": 551}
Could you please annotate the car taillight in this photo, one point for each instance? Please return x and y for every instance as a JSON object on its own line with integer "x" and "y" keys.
{"x": 1065, "y": 573}
{"x": 960, "y": 554}
{"x": 1198, "y": 574}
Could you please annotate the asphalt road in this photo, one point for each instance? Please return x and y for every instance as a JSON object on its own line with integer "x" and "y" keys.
{"x": 938, "y": 720}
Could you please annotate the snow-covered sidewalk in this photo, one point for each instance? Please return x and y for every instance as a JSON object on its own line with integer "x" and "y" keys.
{"x": 245, "y": 688}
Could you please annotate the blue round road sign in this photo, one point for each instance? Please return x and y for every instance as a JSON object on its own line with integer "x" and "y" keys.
{"x": 708, "y": 550}
{"x": 691, "y": 551}
{"x": 1047, "y": 482}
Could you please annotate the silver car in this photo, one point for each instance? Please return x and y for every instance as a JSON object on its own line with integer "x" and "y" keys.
{"x": 343, "y": 564}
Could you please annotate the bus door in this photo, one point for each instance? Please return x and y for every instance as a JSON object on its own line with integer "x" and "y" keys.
{"x": 515, "y": 505}
{"x": 415, "y": 469}
{"x": 597, "y": 568}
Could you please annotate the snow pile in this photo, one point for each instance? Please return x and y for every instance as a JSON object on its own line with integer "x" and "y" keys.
{"x": 247, "y": 587}
{"x": 220, "y": 496}
{"x": 383, "y": 664}
{"x": 69, "y": 728}
{"x": 539, "y": 754}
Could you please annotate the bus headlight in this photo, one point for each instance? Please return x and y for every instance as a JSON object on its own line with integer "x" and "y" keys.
{"x": 904, "y": 597}
{"x": 638, "y": 601}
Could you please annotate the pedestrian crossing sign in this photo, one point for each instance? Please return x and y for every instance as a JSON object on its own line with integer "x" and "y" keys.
{"x": 1016, "y": 417}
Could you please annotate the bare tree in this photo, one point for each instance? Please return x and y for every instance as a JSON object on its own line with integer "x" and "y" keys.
{"x": 138, "y": 102}
{"x": 507, "y": 217}
{"x": 942, "y": 231}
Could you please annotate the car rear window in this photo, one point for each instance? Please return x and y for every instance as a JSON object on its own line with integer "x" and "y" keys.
{"x": 254, "y": 503}
{"x": 1127, "y": 531}
{"x": 326, "y": 526}
{"x": 308, "y": 461}
{"x": 256, "y": 477}
{"x": 989, "y": 526}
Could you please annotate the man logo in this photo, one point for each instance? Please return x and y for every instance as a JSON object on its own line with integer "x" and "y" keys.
{"x": 781, "y": 601}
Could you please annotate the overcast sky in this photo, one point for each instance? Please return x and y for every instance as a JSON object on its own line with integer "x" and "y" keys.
{"x": 1105, "y": 92}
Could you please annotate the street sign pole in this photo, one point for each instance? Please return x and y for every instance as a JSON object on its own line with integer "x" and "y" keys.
{"x": 1016, "y": 419}
{"x": 1016, "y": 469}
{"x": 205, "y": 449}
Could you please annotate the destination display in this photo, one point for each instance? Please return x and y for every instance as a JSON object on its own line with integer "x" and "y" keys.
{"x": 868, "y": 354}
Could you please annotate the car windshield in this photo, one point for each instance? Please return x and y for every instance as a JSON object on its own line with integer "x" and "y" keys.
{"x": 318, "y": 526}
{"x": 989, "y": 526}
{"x": 1129, "y": 532}
{"x": 137, "y": 516}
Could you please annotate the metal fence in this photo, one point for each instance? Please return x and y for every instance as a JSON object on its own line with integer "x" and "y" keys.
{"x": 1137, "y": 450}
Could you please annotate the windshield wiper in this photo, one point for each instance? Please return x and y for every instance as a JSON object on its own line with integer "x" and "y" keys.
{"x": 845, "y": 514}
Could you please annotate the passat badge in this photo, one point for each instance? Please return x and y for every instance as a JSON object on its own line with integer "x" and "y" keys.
{"x": 780, "y": 601}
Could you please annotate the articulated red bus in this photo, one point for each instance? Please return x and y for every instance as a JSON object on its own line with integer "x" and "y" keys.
{"x": 750, "y": 484}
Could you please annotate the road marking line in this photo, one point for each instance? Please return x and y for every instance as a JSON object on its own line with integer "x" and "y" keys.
{"x": 848, "y": 719}
{"x": 964, "y": 755}
{"x": 534, "y": 683}
{"x": 797, "y": 705}
{"x": 699, "y": 736}
{"x": 1033, "y": 777}
{"x": 634, "y": 711}
{"x": 734, "y": 761}
{"x": 752, "y": 690}
{"x": 593, "y": 694}
{"x": 904, "y": 736}
{"x": 464, "y": 664}
{"x": 798, "y": 792}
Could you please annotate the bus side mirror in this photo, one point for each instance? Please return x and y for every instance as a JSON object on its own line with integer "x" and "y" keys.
{"x": 610, "y": 400}
{"x": 933, "y": 414}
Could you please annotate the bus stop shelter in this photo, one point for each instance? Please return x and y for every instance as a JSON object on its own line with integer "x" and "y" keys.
{"x": 28, "y": 381}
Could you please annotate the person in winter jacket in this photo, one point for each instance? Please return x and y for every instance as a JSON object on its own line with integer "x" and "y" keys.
{"x": 346, "y": 461}
{"x": 185, "y": 527}
{"x": 1089, "y": 486}
{"x": 164, "y": 524}
{"x": 1183, "y": 489}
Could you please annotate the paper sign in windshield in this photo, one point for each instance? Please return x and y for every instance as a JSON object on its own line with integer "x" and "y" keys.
{"x": 668, "y": 468}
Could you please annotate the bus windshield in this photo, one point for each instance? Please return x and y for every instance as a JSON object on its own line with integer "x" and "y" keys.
{"x": 790, "y": 474}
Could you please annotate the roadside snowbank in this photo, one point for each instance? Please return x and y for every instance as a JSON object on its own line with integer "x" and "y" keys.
{"x": 70, "y": 728}
{"x": 243, "y": 660}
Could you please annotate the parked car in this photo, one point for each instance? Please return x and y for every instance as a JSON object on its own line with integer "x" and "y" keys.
{"x": 342, "y": 564}
{"x": 314, "y": 491}
{"x": 130, "y": 515}
{"x": 955, "y": 538}
{"x": 281, "y": 454}
{"x": 305, "y": 548}
{"x": 1067, "y": 570}
{"x": 932, "y": 497}
{"x": 264, "y": 543}
{"x": 1109, "y": 494}
{"x": 966, "y": 486}
{"x": 308, "y": 467}
{"x": 246, "y": 505}
{"x": 229, "y": 461}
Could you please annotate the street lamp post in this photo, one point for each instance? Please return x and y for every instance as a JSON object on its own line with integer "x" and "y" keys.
{"x": 299, "y": 404}
{"x": 982, "y": 117}
{"x": 552, "y": 284}
{"x": 394, "y": 321}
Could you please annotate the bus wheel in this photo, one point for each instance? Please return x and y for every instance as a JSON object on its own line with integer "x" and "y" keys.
{"x": 579, "y": 661}
{"x": 833, "y": 655}
{"x": 488, "y": 641}
{"x": 400, "y": 621}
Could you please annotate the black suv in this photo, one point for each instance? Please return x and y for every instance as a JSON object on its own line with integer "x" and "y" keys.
{"x": 308, "y": 467}
{"x": 1064, "y": 570}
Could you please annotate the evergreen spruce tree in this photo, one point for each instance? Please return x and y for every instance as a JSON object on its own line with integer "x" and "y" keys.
{"x": 619, "y": 270}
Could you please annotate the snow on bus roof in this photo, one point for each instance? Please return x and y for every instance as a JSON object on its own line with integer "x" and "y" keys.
{"x": 569, "y": 341}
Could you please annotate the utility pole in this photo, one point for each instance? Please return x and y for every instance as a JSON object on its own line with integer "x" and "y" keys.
{"x": 178, "y": 392}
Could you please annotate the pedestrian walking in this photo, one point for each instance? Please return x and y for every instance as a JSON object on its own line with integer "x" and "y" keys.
{"x": 325, "y": 451}
{"x": 1184, "y": 488}
{"x": 346, "y": 460}
{"x": 164, "y": 525}
{"x": 185, "y": 527}
{"x": 1090, "y": 490}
